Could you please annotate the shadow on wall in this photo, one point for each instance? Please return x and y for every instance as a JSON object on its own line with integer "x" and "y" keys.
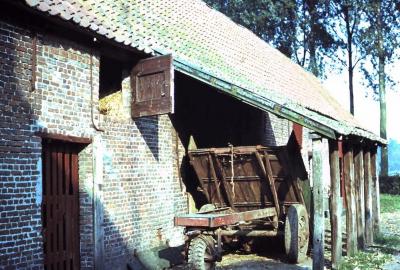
{"x": 125, "y": 216}
{"x": 149, "y": 129}
{"x": 121, "y": 254}
{"x": 20, "y": 163}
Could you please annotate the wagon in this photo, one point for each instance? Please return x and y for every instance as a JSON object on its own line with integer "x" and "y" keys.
{"x": 250, "y": 191}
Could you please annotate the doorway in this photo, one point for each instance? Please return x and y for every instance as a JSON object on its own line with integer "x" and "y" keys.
{"x": 60, "y": 207}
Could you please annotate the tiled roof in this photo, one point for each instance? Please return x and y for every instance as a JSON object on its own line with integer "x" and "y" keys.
{"x": 209, "y": 43}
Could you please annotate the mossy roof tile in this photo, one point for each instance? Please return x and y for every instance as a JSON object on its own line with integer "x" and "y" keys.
{"x": 208, "y": 41}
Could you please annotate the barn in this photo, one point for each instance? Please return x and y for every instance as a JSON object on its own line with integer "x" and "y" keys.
{"x": 100, "y": 103}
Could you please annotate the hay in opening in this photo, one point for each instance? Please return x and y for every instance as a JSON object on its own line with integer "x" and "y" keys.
{"x": 112, "y": 105}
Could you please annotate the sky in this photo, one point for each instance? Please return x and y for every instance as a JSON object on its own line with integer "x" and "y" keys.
{"x": 365, "y": 107}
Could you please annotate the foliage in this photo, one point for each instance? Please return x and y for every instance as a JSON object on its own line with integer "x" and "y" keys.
{"x": 381, "y": 37}
{"x": 365, "y": 260}
{"x": 390, "y": 203}
{"x": 389, "y": 184}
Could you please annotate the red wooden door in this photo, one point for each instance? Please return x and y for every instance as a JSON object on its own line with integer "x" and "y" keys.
{"x": 60, "y": 207}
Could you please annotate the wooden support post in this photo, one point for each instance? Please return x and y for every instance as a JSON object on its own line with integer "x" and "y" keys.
{"x": 348, "y": 171}
{"x": 336, "y": 204}
{"x": 368, "y": 197}
{"x": 360, "y": 205}
{"x": 375, "y": 192}
{"x": 318, "y": 200}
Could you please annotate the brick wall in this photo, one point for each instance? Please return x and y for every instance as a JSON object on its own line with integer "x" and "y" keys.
{"x": 140, "y": 168}
{"x": 140, "y": 186}
{"x": 277, "y": 130}
{"x": 141, "y": 189}
{"x": 63, "y": 94}
{"x": 20, "y": 163}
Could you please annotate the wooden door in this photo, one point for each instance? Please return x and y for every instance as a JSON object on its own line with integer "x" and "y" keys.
{"x": 60, "y": 207}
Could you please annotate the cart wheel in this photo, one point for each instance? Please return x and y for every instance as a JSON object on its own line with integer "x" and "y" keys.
{"x": 201, "y": 249}
{"x": 296, "y": 233}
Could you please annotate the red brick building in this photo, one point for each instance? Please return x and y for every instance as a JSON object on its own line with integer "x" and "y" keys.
{"x": 81, "y": 189}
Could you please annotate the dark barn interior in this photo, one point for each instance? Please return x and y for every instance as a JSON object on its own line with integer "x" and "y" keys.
{"x": 206, "y": 118}
{"x": 212, "y": 118}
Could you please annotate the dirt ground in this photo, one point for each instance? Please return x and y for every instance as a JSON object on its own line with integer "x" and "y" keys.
{"x": 258, "y": 262}
{"x": 272, "y": 258}
{"x": 390, "y": 226}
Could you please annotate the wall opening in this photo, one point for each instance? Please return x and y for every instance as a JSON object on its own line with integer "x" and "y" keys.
{"x": 206, "y": 118}
{"x": 110, "y": 76}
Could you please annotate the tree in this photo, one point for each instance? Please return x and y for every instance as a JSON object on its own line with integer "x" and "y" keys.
{"x": 381, "y": 38}
{"x": 349, "y": 14}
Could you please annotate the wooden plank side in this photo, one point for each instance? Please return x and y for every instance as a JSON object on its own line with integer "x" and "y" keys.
{"x": 318, "y": 200}
{"x": 336, "y": 204}
{"x": 348, "y": 171}
{"x": 360, "y": 206}
{"x": 375, "y": 192}
{"x": 52, "y": 203}
{"x": 267, "y": 174}
{"x": 224, "y": 179}
{"x": 67, "y": 209}
{"x": 368, "y": 197}
{"x": 215, "y": 179}
{"x": 59, "y": 204}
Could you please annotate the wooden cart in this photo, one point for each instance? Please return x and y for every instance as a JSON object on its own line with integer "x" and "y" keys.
{"x": 251, "y": 191}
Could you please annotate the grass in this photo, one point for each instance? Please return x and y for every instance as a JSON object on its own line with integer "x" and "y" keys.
{"x": 390, "y": 203}
{"x": 385, "y": 245}
{"x": 365, "y": 260}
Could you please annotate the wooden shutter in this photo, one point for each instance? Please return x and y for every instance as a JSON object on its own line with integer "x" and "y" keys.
{"x": 152, "y": 87}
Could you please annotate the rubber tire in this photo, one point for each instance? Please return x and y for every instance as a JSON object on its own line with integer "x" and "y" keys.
{"x": 296, "y": 233}
{"x": 200, "y": 248}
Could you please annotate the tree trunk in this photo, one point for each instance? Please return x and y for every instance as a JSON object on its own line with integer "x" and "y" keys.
{"x": 382, "y": 103}
{"x": 350, "y": 68}
{"x": 382, "y": 93}
{"x": 313, "y": 66}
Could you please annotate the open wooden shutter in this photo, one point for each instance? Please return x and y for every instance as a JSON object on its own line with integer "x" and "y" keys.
{"x": 152, "y": 83}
